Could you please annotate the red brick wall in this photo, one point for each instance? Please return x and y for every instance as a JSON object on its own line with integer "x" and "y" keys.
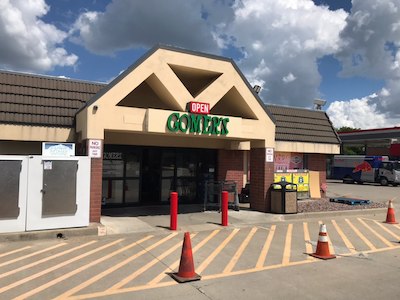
{"x": 96, "y": 189}
{"x": 262, "y": 176}
{"x": 317, "y": 162}
{"x": 96, "y": 175}
{"x": 230, "y": 166}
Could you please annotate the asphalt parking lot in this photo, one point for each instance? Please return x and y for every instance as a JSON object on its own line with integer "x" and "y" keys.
{"x": 368, "y": 191}
{"x": 230, "y": 260}
{"x": 256, "y": 255}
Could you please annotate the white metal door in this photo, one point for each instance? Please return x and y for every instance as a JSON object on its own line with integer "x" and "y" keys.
{"x": 13, "y": 187}
{"x": 58, "y": 192}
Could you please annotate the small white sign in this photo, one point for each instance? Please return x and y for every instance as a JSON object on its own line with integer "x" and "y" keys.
{"x": 58, "y": 149}
{"x": 269, "y": 154}
{"x": 47, "y": 165}
{"x": 94, "y": 148}
{"x": 102, "y": 230}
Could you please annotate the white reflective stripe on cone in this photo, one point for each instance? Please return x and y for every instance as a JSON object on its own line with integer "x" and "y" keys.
{"x": 323, "y": 238}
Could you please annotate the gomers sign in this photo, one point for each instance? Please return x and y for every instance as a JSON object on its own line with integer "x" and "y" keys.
{"x": 197, "y": 121}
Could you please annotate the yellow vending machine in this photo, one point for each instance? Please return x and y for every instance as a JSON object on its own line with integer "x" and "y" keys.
{"x": 282, "y": 176}
{"x": 302, "y": 180}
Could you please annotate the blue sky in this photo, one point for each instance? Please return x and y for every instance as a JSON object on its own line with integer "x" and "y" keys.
{"x": 343, "y": 51}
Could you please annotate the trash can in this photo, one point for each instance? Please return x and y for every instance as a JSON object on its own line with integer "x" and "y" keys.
{"x": 284, "y": 198}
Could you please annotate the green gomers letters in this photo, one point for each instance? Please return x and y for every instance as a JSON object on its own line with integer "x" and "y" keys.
{"x": 203, "y": 124}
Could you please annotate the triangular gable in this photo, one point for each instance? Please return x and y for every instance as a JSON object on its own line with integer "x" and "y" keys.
{"x": 195, "y": 80}
{"x": 233, "y": 104}
{"x": 168, "y": 79}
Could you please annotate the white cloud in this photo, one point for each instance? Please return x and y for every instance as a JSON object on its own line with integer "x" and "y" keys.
{"x": 369, "y": 47}
{"x": 289, "y": 78}
{"x": 286, "y": 37}
{"x": 357, "y": 113}
{"x": 370, "y": 40}
{"x": 126, "y": 24}
{"x": 28, "y": 43}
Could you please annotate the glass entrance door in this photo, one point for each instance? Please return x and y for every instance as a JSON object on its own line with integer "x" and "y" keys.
{"x": 151, "y": 176}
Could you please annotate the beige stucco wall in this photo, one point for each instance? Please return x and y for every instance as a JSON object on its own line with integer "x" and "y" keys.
{"x": 36, "y": 133}
{"x": 307, "y": 147}
{"x": 92, "y": 123}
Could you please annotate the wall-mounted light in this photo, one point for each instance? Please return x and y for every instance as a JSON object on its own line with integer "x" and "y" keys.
{"x": 257, "y": 88}
{"x": 95, "y": 108}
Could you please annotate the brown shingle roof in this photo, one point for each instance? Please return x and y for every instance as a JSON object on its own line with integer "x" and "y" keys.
{"x": 302, "y": 125}
{"x": 28, "y": 99}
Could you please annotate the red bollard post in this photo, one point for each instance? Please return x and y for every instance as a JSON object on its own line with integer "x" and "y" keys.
{"x": 224, "y": 208}
{"x": 173, "y": 211}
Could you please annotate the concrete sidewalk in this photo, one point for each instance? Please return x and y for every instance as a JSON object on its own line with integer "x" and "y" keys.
{"x": 190, "y": 218}
{"x": 153, "y": 219}
{"x": 156, "y": 219}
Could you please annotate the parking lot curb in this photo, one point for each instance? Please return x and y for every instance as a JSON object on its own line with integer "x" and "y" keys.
{"x": 64, "y": 233}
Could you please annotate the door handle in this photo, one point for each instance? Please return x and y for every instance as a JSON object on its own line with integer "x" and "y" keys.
{"x": 43, "y": 190}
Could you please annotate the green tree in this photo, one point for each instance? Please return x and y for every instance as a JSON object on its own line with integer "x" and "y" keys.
{"x": 351, "y": 150}
{"x": 346, "y": 129}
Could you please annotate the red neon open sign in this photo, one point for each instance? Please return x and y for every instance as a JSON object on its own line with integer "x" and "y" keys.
{"x": 199, "y": 108}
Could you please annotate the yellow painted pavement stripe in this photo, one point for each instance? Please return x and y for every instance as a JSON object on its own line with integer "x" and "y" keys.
{"x": 14, "y": 251}
{"x": 307, "y": 240}
{"x": 212, "y": 256}
{"x": 366, "y": 241}
{"x": 114, "y": 268}
{"x": 288, "y": 245}
{"x": 265, "y": 249}
{"x": 387, "y": 230}
{"x": 295, "y": 263}
{"x": 239, "y": 251}
{"x": 346, "y": 241}
{"x": 331, "y": 249}
{"x": 247, "y": 271}
{"x": 397, "y": 226}
{"x": 208, "y": 277}
{"x": 38, "y": 262}
{"x": 147, "y": 266}
{"x": 385, "y": 241}
{"x": 58, "y": 266}
{"x": 78, "y": 270}
{"x": 170, "y": 283}
{"x": 31, "y": 254}
{"x": 122, "y": 291}
{"x": 174, "y": 265}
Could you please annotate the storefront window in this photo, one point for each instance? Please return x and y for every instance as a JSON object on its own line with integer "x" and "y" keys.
{"x": 166, "y": 188}
{"x": 186, "y": 164}
{"x": 132, "y": 165}
{"x": 168, "y": 164}
{"x": 112, "y": 191}
{"x": 113, "y": 165}
{"x": 286, "y": 161}
{"x": 132, "y": 190}
{"x": 167, "y": 174}
{"x": 147, "y": 175}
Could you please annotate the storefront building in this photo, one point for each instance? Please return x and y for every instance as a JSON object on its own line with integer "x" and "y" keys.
{"x": 172, "y": 121}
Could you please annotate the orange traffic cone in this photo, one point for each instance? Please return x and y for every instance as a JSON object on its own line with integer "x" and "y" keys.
{"x": 390, "y": 218}
{"x": 322, "y": 250}
{"x": 186, "y": 267}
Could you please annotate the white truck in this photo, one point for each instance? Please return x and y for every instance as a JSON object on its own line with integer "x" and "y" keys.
{"x": 361, "y": 168}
